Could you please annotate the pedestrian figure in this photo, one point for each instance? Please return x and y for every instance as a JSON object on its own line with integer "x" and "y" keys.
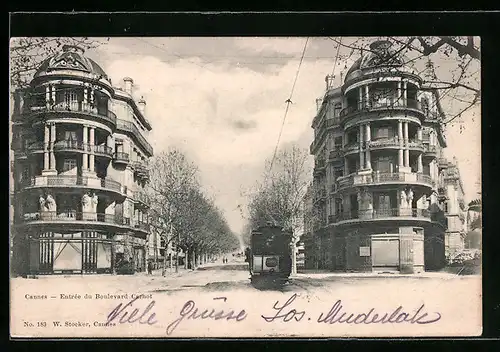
{"x": 150, "y": 268}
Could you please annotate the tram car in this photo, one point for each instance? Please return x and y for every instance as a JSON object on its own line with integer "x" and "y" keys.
{"x": 270, "y": 255}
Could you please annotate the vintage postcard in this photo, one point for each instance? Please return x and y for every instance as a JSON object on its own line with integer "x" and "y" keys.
{"x": 245, "y": 187}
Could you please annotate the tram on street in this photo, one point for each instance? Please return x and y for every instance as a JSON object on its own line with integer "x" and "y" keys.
{"x": 270, "y": 255}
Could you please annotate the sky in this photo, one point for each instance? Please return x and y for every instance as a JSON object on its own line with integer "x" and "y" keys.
{"x": 222, "y": 100}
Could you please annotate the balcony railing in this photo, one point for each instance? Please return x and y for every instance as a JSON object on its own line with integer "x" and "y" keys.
{"x": 430, "y": 149}
{"x": 442, "y": 163}
{"x": 140, "y": 169}
{"x": 130, "y": 127}
{"x": 370, "y": 214}
{"x": 71, "y": 145}
{"x": 351, "y": 147}
{"x": 70, "y": 180}
{"x": 337, "y": 153}
{"x": 386, "y": 142}
{"x": 36, "y": 146}
{"x": 123, "y": 157}
{"x": 70, "y": 216}
{"x": 79, "y": 107}
{"x": 142, "y": 226}
{"x": 381, "y": 105}
{"x": 376, "y": 177}
{"x": 102, "y": 149}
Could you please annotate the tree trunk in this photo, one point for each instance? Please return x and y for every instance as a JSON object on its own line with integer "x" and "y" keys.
{"x": 164, "y": 265}
{"x": 294, "y": 259}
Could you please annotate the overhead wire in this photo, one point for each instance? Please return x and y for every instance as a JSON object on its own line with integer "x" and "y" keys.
{"x": 288, "y": 102}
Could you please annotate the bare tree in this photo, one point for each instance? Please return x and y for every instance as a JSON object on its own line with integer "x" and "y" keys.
{"x": 460, "y": 82}
{"x": 279, "y": 197}
{"x": 172, "y": 178}
{"x": 28, "y": 53}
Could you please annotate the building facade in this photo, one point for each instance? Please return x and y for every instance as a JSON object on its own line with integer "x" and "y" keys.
{"x": 80, "y": 165}
{"x": 378, "y": 145}
{"x": 451, "y": 196}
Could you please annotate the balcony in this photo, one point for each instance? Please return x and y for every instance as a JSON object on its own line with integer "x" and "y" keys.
{"x": 129, "y": 127}
{"x": 375, "y": 178}
{"x": 65, "y": 217}
{"x": 121, "y": 158}
{"x": 81, "y": 218}
{"x": 336, "y": 154}
{"x": 377, "y": 106}
{"x": 142, "y": 226}
{"x": 430, "y": 150}
{"x": 102, "y": 150}
{"x": 352, "y": 147}
{"x": 76, "y": 108}
{"x": 442, "y": 163}
{"x": 381, "y": 214}
{"x": 71, "y": 146}
{"x": 140, "y": 170}
{"x": 73, "y": 181}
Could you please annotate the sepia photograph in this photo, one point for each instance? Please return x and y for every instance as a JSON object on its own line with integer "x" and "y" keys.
{"x": 245, "y": 187}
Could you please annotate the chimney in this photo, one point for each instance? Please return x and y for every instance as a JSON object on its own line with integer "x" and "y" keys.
{"x": 141, "y": 105}
{"x": 129, "y": 82}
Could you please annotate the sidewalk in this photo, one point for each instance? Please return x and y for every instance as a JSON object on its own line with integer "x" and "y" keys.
{"x": 322, "y": 274}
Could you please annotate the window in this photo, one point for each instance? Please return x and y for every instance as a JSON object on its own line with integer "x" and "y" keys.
{"x": 69, "y": 164}
{"x": 382, "y": 201}
{"x": 338, "y": 142}
{"x": 339, "y": 207}
{"x": 70, "y": 97}
{"x": 119, "y": 148}
{"x": 337, "y": 109}
{"x": 70, "y": 136}
{"x": 383, "y": 164}
{"x": 382, "y": 133}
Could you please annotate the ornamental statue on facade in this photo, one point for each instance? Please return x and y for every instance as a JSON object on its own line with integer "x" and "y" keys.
{"x": 50, "y": 204}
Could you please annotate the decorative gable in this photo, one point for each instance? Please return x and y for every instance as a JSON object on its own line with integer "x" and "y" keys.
{"x": 70, "y": 59}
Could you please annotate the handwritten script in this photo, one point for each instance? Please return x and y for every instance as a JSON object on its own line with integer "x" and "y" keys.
{"x": 190, "y": 311}
{"x": 136, "y": 316}
{"x": 131, "y": 312}
{"x": 336, "y": 314}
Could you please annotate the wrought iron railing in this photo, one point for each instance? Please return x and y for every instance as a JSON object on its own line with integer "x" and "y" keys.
{"x": 430, "y": 148}
{"x": 71, "y": 216}
{"x": 71, "y": 145}
{"x": 119, "y": 156}
{"x": 142, "y": 226}
{"x": 337, "y": 153}
{"x": 77, "y": 107}
{"x": 71, "y": 180}
{"x": 377, "y": 177}
{"x": 368, "y": 214}
{"x": 102, "y": 149}
{"x": 381, "y": 105}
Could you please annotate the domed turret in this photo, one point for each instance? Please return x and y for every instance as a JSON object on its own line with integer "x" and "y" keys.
{"x": 71, "y": 58}
{"x": 381, "y": 54}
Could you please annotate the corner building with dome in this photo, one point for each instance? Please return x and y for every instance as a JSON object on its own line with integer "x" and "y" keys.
{"x": 379, "y": 170}
{"x": 80, "y": 152}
